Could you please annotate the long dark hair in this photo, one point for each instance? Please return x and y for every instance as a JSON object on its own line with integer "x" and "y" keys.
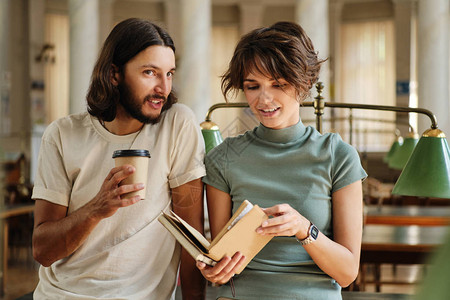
{"x": 282, "y": 50}
{"x": 125, "y": 41}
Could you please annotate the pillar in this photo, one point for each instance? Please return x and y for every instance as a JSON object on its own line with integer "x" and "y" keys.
{"x": 193, "y": 77}
{"x": 433, "y": 62}
{"x": 84, "y": 36}
{"x": 313, "y": 16}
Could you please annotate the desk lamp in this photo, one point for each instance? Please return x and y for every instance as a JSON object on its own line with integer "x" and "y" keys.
{"x": 401, "y": 155}
{"x": 426, "y": 172}
{"x": 395, "y": 145}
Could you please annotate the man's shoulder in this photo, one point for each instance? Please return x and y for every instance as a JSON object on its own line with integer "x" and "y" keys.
{"x": 70, "y": 122}
{"x": 180, "y": 109}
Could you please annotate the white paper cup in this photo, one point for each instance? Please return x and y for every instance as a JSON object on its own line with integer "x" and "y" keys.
{"x": 138, "y": 159}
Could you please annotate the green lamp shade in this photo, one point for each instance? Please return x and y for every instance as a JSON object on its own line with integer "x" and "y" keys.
{"x": 427, "y": 172}
{"x": 394, "y": 147}
{"x": 401, "y": 155}
{"x": 212, "y": 138}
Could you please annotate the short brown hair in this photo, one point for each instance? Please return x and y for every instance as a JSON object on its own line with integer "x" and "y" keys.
{"x": 126, "y": 40}
{"x": 282, "y": 50}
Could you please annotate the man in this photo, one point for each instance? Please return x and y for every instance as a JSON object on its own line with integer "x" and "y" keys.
{"x": 91, "y": 242}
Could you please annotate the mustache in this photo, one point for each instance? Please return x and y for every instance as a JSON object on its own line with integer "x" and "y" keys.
{"x": 155, "y": 96}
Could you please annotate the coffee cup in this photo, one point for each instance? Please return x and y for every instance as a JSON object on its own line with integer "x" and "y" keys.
{"x": 139, "y": 160}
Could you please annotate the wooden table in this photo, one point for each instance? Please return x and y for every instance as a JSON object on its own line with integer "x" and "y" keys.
{"x": 374, "y": 296}
{"x": 407, "y": 215}
{"x": 393, "y": 244}
{"x": 8, "y": 212}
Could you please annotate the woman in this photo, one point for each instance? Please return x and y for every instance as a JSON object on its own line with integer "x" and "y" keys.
{"x": 309, "y": 184}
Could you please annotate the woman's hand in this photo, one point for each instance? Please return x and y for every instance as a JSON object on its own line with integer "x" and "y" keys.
{"x": 285, "y": 221}
{"x": 223, "y": 271}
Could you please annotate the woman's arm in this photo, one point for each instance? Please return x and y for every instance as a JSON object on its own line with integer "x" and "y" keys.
{"x": 339, "y": 258}
{"x": 219, "y": 210}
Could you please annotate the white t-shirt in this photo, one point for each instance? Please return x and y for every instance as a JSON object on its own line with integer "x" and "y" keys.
{"x": 129, "y": 255}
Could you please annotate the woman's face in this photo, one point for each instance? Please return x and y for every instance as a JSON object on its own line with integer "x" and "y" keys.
{"x": 274, "y": 103}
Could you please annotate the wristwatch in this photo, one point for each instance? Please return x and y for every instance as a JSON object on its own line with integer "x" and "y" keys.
{"x": 313, "y": 232}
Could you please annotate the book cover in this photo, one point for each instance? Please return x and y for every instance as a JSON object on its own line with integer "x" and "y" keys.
{"x": 237, "y": 235}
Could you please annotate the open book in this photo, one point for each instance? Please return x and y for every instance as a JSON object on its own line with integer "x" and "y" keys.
{"x": 237, "y": 235}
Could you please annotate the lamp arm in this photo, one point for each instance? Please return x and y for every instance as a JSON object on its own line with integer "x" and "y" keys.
{"x": 432, "y": 117}
{"x": 223, "y": 105}
{"x": 424, "y": 111}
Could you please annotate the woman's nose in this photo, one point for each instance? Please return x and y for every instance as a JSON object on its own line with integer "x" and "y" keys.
{"x": 265, "y": 96}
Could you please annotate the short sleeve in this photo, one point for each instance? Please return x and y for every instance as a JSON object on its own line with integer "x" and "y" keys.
{"x": 215, "y": 163}
{"x": 188, "y": 149}
{"x": 51, "y": 180}
{"x": 346, "y": 168}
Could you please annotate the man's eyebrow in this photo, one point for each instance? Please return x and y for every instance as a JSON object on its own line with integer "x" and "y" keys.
{"x": 155, "y": 67}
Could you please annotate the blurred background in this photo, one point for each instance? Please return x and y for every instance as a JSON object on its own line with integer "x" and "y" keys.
{"x": 381, "y": 52}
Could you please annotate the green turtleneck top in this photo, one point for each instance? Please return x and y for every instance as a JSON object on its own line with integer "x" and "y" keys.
{"x": 295, "y": 165}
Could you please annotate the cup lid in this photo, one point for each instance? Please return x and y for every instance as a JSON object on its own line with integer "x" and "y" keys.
{"x": 131, "y": 152}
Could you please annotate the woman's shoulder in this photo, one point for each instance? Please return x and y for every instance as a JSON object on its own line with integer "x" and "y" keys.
{"x": 233, "y": 144}
{"x": 330, "y": 140}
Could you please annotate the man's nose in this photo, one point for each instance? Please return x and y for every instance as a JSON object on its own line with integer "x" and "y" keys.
{"x": 163, "y": 86}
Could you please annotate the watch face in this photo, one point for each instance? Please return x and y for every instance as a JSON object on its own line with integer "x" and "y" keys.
{"x": 314, "y": 232}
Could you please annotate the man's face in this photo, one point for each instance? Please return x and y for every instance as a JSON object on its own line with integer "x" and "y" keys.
{"x": 146, "y": 83}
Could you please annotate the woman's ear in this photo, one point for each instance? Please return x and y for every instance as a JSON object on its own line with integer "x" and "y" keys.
{"x": 115, "y": 75}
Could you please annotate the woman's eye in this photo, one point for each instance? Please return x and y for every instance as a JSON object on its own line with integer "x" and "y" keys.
{"x": 281, "y": 85}
{"x": 149, "y": 72}
{"x": 251, "y": 87}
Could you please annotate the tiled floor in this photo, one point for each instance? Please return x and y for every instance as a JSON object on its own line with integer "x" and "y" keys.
{"x": 22, "y": 279}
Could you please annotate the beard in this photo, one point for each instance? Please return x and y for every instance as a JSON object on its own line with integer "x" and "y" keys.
{"x": 133, "y": 105}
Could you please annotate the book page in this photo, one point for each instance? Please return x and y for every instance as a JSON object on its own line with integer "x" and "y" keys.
{"x": 197, "y": 235}
{"x": 187, "y": 241}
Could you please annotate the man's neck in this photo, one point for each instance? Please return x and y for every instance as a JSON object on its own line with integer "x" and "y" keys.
{"x": 123, "y": 126}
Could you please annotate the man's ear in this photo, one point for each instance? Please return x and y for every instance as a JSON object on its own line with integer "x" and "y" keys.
{"x": 115, "y": 75}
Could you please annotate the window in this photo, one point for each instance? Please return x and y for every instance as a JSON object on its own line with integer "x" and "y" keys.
{"x": 367, "y": 76}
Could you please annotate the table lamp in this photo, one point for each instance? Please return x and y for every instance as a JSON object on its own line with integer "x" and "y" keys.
{"x": 395, "y": 145}
{"x": 425, "y": 174}
{"x": 401, "y": 155}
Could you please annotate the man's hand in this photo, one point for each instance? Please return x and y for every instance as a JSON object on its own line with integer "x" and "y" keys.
{"x": 57, "y": 235}
{"x": 108, "y": 200}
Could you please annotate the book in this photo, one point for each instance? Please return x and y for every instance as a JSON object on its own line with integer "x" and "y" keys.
{"x": 239, "y": 234}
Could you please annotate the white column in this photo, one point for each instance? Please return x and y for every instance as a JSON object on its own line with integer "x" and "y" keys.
{"x": 313, "y": 16}
{"x": 403, "y": 44}
{"x": 433, "y": 62}
{"x": 193, "y": 78}
{"x": 172, "y": 18}
{"x": 84, "y": 33}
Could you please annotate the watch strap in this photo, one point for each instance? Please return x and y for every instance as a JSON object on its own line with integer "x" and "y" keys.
{"x": 313, "y": 232}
